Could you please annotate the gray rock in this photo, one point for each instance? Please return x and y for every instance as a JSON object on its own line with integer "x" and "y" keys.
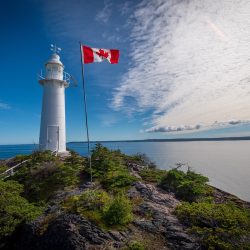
{"x": 146, "y": 226}
{"x": 67, "y": 232}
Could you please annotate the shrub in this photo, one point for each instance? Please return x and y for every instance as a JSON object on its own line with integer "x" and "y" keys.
{"x": 41, "y": 177}
{"x": 118, "y": 211}
{"x": 105, "y": 160}
{"x": 152, "y": 174}
{"x": 141, "y": 159}
{"x": 101, "y": 208}
{"x": 93, "y": 199}
{"x": 3, "y": 168}
{"x": 42, "y": 156}
{"x": 188, "y": 186}
{"x": 109, "y": 167}
{"x": 89, "y": 204}
{"x": 135, "y": 245}
{"x": 120, "y": 178}
{"x": 14, "y": 209}
{"x": 219, "y": 226}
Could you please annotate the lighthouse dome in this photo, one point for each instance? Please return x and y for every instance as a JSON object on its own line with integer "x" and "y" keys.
{"x": 55, "y": 59}
{"x": 54, "y": 68}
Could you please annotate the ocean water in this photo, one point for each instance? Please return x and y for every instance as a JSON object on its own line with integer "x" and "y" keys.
{"x": 226, "y": 163}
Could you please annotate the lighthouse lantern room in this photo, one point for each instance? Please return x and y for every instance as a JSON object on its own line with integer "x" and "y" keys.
{"x": 54, "y": 82}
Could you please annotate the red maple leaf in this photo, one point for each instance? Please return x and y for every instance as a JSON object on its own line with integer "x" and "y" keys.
{"x": 102, "y": 53}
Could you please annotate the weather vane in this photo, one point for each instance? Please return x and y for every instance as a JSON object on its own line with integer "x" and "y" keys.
{"x": 55, "y": 49}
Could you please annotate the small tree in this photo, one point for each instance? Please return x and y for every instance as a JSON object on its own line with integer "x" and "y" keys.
{"x": 14, "y": 209}
{"x": 118, "y": 211}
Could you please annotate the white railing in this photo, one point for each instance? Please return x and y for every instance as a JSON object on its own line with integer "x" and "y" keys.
{"x": 66, "y": 77}
{"x": 11, "y": 171}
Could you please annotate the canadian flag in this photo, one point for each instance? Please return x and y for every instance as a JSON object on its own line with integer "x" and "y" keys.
{"x": 91, "y": 55}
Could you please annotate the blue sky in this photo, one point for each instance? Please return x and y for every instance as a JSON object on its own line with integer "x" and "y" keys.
{"x": 183, "y": 70}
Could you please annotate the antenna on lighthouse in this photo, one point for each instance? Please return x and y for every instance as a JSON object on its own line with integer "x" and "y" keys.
{"x": 55, "y": 49}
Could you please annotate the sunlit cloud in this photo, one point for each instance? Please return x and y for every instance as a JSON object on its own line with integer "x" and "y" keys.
{"x": 190, "y": 64}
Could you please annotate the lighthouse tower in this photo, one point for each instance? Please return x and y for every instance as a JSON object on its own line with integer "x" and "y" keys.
{"x": 54, "y": 82}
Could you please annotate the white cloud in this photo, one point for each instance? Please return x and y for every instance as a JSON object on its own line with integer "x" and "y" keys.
{"x": 214, "y": 125}
{"x": 190, "y": 63}
{"x": 104, "y": 14}
{"x": 4, "y": 105}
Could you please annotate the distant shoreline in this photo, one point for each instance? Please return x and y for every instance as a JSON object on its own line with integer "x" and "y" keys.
{"x": 245, "y": 138}
{"x": 242, "y": 138}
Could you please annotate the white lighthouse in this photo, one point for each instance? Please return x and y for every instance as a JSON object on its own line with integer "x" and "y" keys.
{"x": 54, "y": 82}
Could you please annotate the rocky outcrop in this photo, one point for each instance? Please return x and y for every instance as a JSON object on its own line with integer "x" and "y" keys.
{"x": 155, "y": 215}
{"x": 67, "y": 232}
{"x": 154, "y": 220}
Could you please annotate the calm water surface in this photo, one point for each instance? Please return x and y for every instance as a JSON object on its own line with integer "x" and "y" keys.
{"x": 226, "y": 163}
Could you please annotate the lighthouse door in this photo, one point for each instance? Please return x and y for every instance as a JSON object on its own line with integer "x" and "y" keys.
{"x": 53, "y": 138}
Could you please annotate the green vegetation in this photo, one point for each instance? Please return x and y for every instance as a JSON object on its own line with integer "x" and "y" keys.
{"x": 45, "y": 173}
{"x": 153, "y": 175}
{"x": 135, "y": 245}
{"x": 109, "y": 166}
{"x": 118, "y": 211}
{"x": 24, "y": 196}
{"x": 100, "y": 207}
{"x": 219, "y": 226}
{"x": 188, "y": 186}
{"x": 141, "y": 159}
{"x": 14, "y": 209}
{"x": 3, "y": 168}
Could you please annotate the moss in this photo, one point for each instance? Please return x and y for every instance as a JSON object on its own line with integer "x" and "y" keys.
{"x": 135, "y": 245}
{"x": 219, "y": 226}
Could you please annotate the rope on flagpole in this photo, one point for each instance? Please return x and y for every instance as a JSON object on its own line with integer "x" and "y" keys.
{"x": 86, "y": 113}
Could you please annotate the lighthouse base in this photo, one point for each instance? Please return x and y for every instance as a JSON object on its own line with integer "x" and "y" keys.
{"x": 64, "y": 154}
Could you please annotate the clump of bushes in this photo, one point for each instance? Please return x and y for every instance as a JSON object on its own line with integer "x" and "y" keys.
{"x": 14, "y": 209}
{"x": 109, "y": 167}
{"x": 152, "y": 174}
{"x": 118, "y": 211}
{"x": 219, "y": 226}
{"x": 141, "y": 159}
{"x": 100, "y": 207}
{"x": 188, "y": 186}
{"x": 45, "y": 173}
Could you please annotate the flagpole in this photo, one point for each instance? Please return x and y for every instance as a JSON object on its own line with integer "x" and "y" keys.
{"x": 86, "y": 113}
